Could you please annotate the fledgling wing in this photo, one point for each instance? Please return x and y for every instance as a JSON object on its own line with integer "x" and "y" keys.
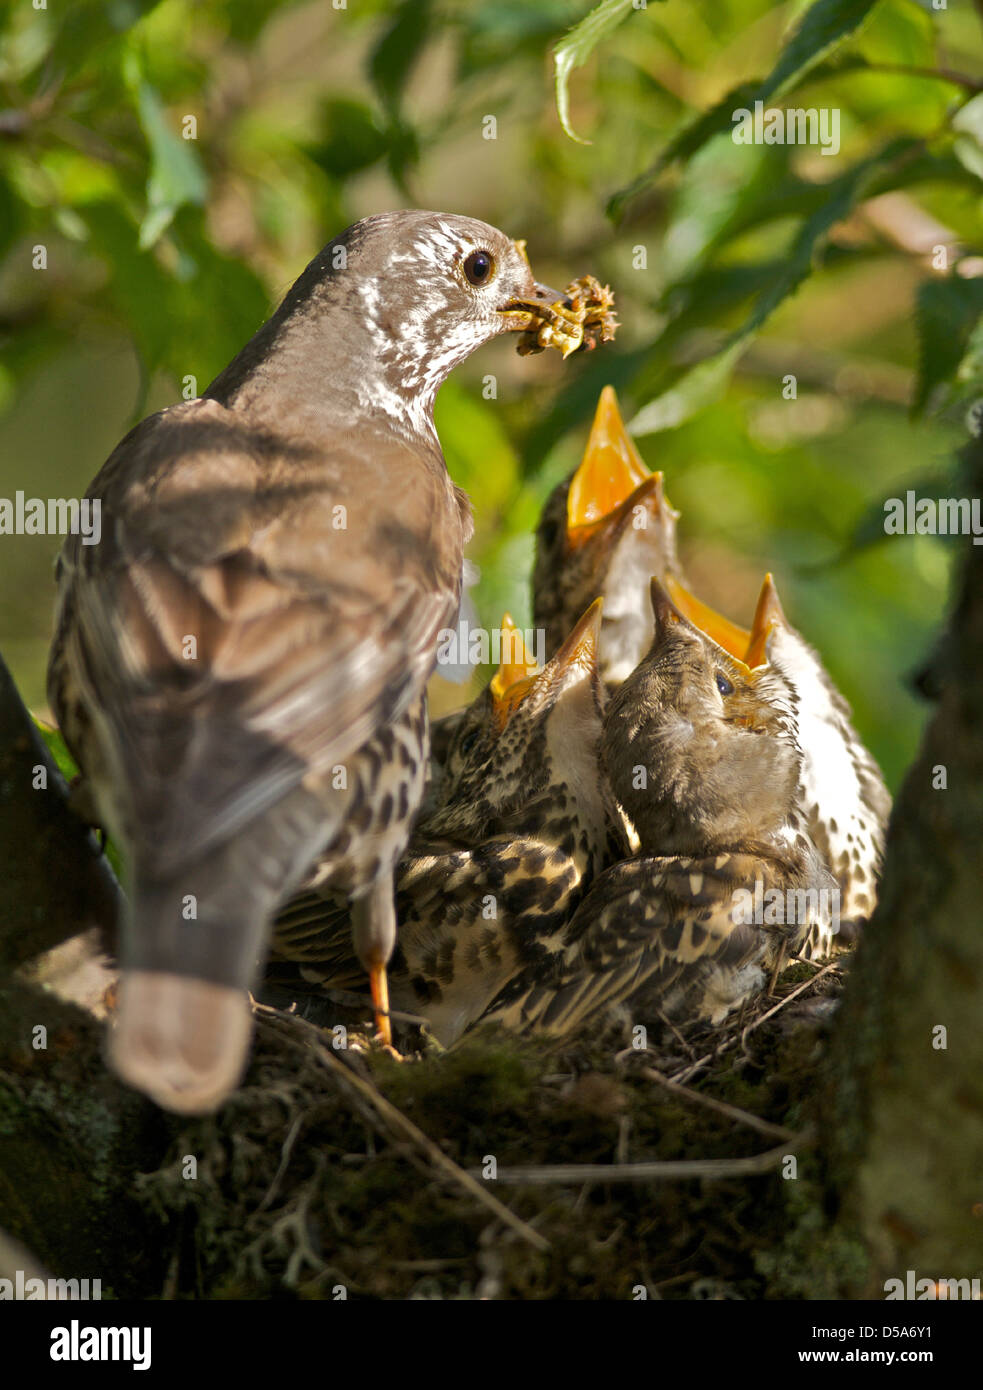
{"x": 253, "y": 613}
{"x": 469, "y": 920}
{"x": 654, "y": 928}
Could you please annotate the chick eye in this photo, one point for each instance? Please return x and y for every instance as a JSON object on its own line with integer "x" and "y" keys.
{"x": 479, "y": 267}
{"x": 724, "y": 685}
{"x": 468, "y": 741}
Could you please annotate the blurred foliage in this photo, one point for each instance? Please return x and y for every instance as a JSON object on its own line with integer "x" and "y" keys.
{"x": 182, "y": 160}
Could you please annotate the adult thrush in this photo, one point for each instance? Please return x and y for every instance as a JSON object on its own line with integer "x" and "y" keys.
{"x": 841, "y": 793}
{"x": 239, "y": 666}
{"x": 521, "y": 824}
{"x": 702, "y": 752}
{"x": 603, "y": 532}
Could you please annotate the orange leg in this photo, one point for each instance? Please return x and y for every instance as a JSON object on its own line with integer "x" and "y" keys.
{"x": 379, "y": 981}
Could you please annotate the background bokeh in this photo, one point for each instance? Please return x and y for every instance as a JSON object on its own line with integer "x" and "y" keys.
{"x": 734, "y": 266}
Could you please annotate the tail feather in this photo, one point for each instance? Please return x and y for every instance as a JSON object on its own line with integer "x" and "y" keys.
{"x": 193, "y": 944}
{"x": 183, "y": 1042}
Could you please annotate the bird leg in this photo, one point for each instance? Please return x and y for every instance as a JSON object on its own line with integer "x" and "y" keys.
{"x": 374, "y": 936}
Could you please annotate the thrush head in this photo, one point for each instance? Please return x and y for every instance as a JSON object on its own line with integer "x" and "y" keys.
{"x": 383, "y": 314}
{"x": 841, "y": 797}
{"x": 700, "y": 748}
{"x": 603, "y": 532}
{"x": 528, "y": 730}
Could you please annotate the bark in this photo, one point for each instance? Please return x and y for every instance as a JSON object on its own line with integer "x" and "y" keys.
{"x": 56, "y": 881}
{"x": 904, "y": 1096}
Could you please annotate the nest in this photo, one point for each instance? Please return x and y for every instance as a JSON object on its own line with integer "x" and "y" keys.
{"x": 501, "y": 1168}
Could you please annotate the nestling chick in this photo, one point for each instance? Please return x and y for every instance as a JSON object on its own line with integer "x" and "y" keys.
{"x": 841, "y": 793}
{"x": 702, "y": 753}
{"x": 603, "y": 532}
{"x": 521, "y": 826}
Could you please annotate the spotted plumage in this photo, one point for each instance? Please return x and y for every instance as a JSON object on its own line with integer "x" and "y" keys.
{"x": 604, "y": 532}
{"x": 841, "y": 794}
{"x": 520, "y": 825}
{"x": 249, "y": 643}
{"x": 702, "y": 753}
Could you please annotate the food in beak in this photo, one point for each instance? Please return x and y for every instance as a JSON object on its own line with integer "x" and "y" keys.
{"x": 574, "y": 321}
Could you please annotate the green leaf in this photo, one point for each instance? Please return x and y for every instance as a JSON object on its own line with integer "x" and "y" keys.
{"x": 176, "y": 174}
{"x": 703, "y": 383}
{"x": 968, "y": 125}
{"x": 509, "y": 31}
{"x": 576, "y": 47}
{"x": 842, "y": 195}
{"x": 247, "y": 18}
{"x": 57, "y": 748}
{"x": 698, "y": 387}
{"x": 825, "y": 25}
{"x": 191, "y": 319}
{"x": 396, "y": 53}
{"x": 88, "y": 25}
{"x": 948, "y": 316}
{"x": 351, "y": 139}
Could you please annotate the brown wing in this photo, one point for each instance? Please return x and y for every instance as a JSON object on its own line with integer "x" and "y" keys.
{"x": 646, "y": 926}
{"x": 253, "y": 612}
{"x": 468, "y": 920}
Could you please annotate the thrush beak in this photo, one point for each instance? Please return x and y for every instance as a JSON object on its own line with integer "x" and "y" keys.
{"x": 581, "y": 647}
{"x": 767, "y": 616}
{"x": 666, "y": 614}
{"x": 610, "y": 470}
{"x": 579, "y": 650}
{"x": 683, "y": 607}
{"x": 719, "y": 629}
{"x": 516, "y": 663}
{"x": 521, "y": 314}
{"x": 515, "y": 676}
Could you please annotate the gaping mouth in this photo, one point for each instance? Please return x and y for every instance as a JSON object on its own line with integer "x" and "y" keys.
{"x": 747, "y": 646}
{"x": 612, "y": 475}
{"x": 574, "y": 321}
{"x": 519, "y": 675}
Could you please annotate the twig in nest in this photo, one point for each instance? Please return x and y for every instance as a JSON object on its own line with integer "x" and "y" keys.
{"x": 728, "y": 1043}
{"x": 732, "y": 1112}
{"x": 285, "y": 1152}
{"x": 651, "y": 1172}
{"x": 806, "y": 984}
{"x": 396, "y": 1120}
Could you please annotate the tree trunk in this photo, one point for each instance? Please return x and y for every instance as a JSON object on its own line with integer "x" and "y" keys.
{"x": 56, "y": 882}
{"x": 904, "y": 1097}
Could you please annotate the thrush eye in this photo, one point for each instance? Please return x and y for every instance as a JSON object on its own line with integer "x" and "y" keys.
{"x": 468, "y": 741}
{"x": 724, "y": 685}
{"x": 479, "y": 267}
